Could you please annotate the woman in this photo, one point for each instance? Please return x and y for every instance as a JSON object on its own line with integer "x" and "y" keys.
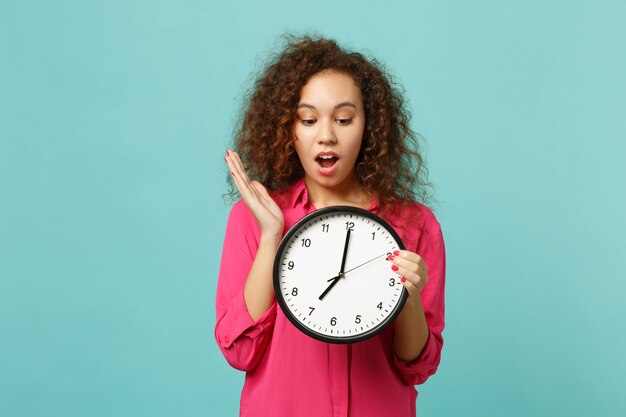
{"x": 325, "y": 127}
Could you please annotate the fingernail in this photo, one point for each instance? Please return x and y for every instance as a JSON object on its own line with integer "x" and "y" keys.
{"x": 394, "y": 268}
{"x": 397, "y": 252}
{"x": 225, "y": 160}
{"x": 227, "y": 152}
{"x": 232, "y": 173}
{"x": 391, "y": 258}
{"x": 402, "y": 279}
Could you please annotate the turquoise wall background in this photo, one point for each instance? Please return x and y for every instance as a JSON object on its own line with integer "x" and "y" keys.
{"x": 114, "y": 117}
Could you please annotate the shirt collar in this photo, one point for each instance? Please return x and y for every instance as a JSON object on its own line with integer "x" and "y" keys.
{"x": 300, "y": 194}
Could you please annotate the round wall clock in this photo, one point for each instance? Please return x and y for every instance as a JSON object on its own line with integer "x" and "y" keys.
{"x": 332, "y": 278}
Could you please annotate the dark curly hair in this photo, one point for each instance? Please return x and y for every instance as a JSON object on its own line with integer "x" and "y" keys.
{"x": 389, "y": 166}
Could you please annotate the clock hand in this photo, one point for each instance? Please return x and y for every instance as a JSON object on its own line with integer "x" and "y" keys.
{"x": 364, "y": 263}
{"x": 335, "y": 280}
{"x": 345, "y": 252}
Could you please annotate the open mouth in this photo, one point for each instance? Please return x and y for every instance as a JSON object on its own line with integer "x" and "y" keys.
{"x": 326, "y": 161}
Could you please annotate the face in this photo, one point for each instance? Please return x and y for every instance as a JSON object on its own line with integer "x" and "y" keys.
{"x": 329, "y": 128}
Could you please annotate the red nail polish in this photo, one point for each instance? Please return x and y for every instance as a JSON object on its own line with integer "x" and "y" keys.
{"x": 396, "y": 252}
{"x": 232, "y": 173}
{"x": 403, "y": 279}
{"x": 394, "y": 268}
{"x": 227, "y": 152}
{"x": 391, "y": 258}
{"x": 225, "y": 160}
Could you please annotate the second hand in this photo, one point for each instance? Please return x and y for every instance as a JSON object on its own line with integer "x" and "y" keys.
{"x": 358, "y": 266}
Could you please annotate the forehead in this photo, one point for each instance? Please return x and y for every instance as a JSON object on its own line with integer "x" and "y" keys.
{"x": 330, "y": 87}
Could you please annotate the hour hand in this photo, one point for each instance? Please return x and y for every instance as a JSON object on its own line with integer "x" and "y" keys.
{"x": 334, "y": 280}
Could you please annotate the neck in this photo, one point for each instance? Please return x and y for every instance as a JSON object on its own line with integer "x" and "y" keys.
{"x": 347, "y": 193}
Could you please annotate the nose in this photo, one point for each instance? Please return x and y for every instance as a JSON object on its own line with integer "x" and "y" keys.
{"x": 326, "y": 133}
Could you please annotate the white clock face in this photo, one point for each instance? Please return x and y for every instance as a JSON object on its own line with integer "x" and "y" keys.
{"x": 321, "y": 299}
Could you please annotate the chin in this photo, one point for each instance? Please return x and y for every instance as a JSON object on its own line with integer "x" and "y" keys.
{"x": 327, "y": 181}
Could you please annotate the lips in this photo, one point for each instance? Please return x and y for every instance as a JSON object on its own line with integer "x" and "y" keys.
{"x": 326, "y": 159}
{"x": 326, "y": 163}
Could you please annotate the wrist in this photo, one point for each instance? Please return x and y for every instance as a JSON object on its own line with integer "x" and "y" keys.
{"x": 270, "y": 238}
{"x": 412, "y": 306}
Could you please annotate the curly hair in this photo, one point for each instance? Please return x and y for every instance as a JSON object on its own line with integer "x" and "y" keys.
{"x": 389, "y": 166}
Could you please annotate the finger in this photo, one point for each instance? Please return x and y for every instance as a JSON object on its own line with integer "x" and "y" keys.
{"x": 406, "y": 258}
{"x": 238, "y": 165}
{"x": 411, "y": 280}
{"x": 240, "y": 178}
{"x": 261, "y": 190}
{"x": 408, "y": 255}
{"x": 411, "y": 288}
{"x": 237, "y": 169}
{"x": 266, "y": 199}
{"x": 417, "y": 280}
{"x": 410, "y": 265}
{"x": 240, "y": 183}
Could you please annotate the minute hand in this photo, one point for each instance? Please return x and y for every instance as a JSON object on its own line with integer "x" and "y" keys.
{"x": 343, "y": 265}
{"x": 345, "y": 252}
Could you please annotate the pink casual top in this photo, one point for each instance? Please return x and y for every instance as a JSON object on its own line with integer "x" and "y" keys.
{"x": 289, "y": 374}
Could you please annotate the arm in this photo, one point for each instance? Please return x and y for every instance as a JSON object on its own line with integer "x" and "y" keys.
{"x": 418, "y": 340}
{"x": 259, "y": 290}
{"x": 241, "y": 337}
{"x": 243, "y": 329}
{"x": 411, "y": 329}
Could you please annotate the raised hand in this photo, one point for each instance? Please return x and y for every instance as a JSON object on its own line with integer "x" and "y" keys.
{"x": 264, "y": 209}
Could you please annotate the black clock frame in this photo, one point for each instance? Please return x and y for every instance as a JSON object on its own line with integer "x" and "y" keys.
{"x": 279, "y": 295}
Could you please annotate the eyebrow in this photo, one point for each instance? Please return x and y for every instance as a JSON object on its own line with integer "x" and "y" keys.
{"x": 338, "y": 106}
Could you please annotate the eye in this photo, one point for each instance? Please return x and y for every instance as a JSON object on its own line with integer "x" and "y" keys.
{"x": 344, "y": 121}
{"x": 308, "y": 122}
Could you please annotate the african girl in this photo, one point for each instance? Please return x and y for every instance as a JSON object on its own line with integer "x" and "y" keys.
{"x": 323, "y": 127}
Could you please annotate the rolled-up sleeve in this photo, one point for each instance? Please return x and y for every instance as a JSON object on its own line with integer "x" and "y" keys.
{"x": 241, "y": 339}
{"x": 431, "y": 248}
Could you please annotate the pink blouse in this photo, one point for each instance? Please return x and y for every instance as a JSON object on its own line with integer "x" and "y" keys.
{"x": 289, "y": 374}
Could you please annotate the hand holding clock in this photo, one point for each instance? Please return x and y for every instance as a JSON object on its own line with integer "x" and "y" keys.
{"x": 411, "y": 327}
{"x": 412, "y": 268}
